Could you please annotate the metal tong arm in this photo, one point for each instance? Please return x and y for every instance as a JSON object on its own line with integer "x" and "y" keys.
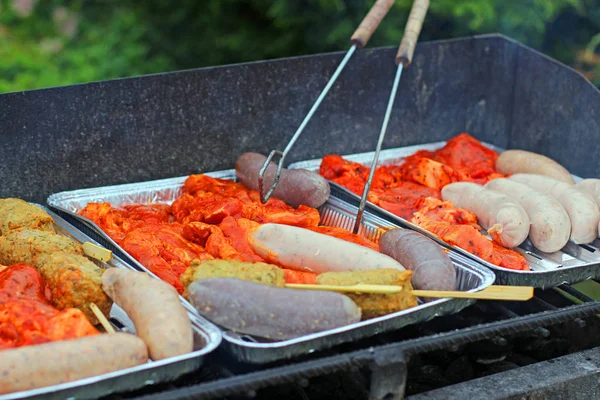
{"x": 403, "y": 58}
{"x": 359, "y": 39}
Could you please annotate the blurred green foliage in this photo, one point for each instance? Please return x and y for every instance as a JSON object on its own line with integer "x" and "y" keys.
{"x": 50, "y": 42}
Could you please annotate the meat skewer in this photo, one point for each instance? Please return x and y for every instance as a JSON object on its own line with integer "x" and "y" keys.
{"x": 510, "y": 293}
{"x": 359, "y": 39}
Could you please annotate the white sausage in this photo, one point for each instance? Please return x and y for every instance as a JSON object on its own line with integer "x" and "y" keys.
{"x": 582, "y": 209}
{"x": 47, "y": 364}
{"x": 591, "y": 187}
{"x": 505, "y": 219}
{"x": 305, "y": 250}
{"x": 153, "y": 306}
{"x": 550, "y": 225}
{"x": 521, "y": 161}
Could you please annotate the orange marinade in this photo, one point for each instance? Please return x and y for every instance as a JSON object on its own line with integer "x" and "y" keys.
{"x": 27, "y": 316}
{"x": 211, "y": 219}
{"x": 411, "y": 190}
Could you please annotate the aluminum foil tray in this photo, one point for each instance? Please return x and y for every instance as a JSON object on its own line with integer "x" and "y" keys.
{"x": 207, "y": 338}
{"x": 574, "y": 263}
{"x": 471, "y": 276}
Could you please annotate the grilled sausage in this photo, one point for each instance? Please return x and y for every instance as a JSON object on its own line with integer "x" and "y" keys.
{"x": 38, "y": 366}
{"x": 270, "y": 312}
{"x": 154, "y": 307}
{"x": 582, "y": 209}
{"x": 305, "y": 250}
{"x": 591, "y": 187}
{"x": 521, "y": 161}
{"x": 295, "y": 187}
{"x": 505, "y": 220}
{"x": 431, "y": 266}
{"x": 550, "y": 225}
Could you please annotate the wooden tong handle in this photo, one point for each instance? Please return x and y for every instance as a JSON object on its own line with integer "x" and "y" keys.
{"x": 412, "y": 31}
{"x": 371, "y": 21}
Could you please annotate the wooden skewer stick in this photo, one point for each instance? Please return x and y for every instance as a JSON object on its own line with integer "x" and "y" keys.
{"x": 97, "y": 252}
{"x": 103, "y": 321}
{"x": 515, "y": 293}
{"x": 360, "y": 288}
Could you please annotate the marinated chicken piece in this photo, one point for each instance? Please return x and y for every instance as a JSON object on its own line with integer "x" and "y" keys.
{"x": 211, "y": 200}
{"x": 429, "y": 173}
{"x": 467, "y": 156}
{"x": 388, "y": 189}
{"x": 403, "y": 200}
{"x": 353, "y": 176}
{"x": 375, "y": 305}
{"x": 348, "y": 236}
{"x": 163, "y": 249}
{"x": 17, "y": 213}
{"x": 117, "y": 223}
{"x": 300, "y": 277}
{"x": 26, "y": 245}
{"x": 26, "y": 314}
{"x": 459, "y": 228}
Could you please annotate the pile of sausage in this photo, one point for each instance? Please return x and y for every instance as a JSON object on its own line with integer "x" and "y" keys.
{"x": 251, "y": 298}
{"x": 162, "y": 325}
{"x": 538, "y": 199}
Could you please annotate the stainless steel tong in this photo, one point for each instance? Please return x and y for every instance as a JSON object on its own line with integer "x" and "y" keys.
{"x": 359, "y": 39}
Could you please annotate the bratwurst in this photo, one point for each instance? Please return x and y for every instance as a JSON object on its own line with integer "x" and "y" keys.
{"x": 270, "y": 312}
{"x": 582, "y": 209}
{"x": 505, "y": 219}
{"x": 550, "y": 224}
{"x": 521, "y": 161}
{"x": 154, "y": 307}
{"x": 305, "y": 250}
{"x": 591, "y": 187}
{"x": 47, "y": 364}
{"x": 295, "y": 187}
{"x": 431, "y": 266}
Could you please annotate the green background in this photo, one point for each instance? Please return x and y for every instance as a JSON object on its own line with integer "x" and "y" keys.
{"x": 52, "y": 43}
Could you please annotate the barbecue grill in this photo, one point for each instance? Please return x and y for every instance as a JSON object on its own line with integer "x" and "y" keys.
{"x": 174, "y": 124}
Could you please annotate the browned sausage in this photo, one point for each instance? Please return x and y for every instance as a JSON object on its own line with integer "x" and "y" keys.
{"x": 154, "y": 307}
{"x": 431, "y": 266}
{"x": 270, "y": 312}
{"x": 47, "y": 364}
{"x": 295, "y": 187}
